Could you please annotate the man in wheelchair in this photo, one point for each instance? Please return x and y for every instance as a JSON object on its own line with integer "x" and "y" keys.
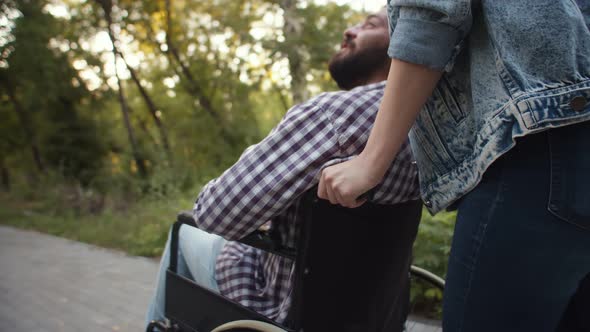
{"x": 265, "y": 185}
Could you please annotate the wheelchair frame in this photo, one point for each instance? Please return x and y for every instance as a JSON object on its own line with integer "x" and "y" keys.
{"x": 217, "y": 313}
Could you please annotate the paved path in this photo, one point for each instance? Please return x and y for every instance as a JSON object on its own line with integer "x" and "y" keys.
{"x": 417, "y": 324}
{"x": 50, "y": 284}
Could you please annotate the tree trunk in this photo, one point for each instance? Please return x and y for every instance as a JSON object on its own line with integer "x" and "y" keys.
{"x": 146, "y": 131}
{"x": 5, "y": 176}
{"x": 292, "y": 31}
{"x": 25, "y": 122}
{"x": 194, "y": 88}
{"x": 151, "y": 107}
{"x": 107, "y": 8}
{"x": 280, "y": 93}
{"x": 139, "y": 161}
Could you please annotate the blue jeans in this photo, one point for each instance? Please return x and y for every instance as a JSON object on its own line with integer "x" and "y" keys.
{"x": 521, "y": 246}
{"x": 197, "y": 254}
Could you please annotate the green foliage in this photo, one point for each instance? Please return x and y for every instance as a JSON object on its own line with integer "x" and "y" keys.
{"x": 137, "y": 227}
{"x": 431, "y": 252}
{"x": 433, "y": 243}
{"x": 73, "y": 145}
{"x": 48, "y": 95}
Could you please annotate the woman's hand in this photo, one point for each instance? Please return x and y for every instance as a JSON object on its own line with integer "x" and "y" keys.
{"x": 343, "y": 183}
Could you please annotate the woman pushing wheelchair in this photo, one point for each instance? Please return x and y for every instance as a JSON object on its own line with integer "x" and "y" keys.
{"x": 495, "y": 96}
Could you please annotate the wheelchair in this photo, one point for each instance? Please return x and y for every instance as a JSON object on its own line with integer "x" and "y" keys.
{"x": 346, "y": 277}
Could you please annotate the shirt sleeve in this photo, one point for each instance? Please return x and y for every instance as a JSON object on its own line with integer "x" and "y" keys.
{"x": 428, "y": 32}
{"x": 270, "y": 175}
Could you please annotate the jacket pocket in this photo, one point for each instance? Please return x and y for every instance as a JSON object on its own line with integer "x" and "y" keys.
{"x": 428, "y": 146}
{"x": 447, "y": 96}
{"x": 569, "y": 195}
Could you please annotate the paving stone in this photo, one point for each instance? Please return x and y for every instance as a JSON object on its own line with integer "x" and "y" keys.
{"x": 50, "y": 284}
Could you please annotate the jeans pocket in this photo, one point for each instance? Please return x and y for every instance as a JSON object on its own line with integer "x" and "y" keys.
{"x": 569, "y": 195}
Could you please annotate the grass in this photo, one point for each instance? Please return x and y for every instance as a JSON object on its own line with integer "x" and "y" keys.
{"x": 140, "y": 228}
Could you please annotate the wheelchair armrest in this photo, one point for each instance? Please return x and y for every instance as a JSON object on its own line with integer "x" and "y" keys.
{"x": 264, "y": 241}
{"x": 186, "y": 217}
{"x": 260, "y": 239}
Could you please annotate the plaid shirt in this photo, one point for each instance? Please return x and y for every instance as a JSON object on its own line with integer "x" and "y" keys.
{"x": 266, "y": 182}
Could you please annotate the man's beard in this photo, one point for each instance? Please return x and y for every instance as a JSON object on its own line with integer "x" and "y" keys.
{"x": 353, "y": 69}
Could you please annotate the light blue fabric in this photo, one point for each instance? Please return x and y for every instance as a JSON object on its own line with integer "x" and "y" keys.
{"x": 197, "y": 254}
{"x": 512, "y": 68}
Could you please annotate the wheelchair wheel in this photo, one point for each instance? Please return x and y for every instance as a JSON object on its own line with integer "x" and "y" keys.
{"x": 425, "y": 311}
{"x": 247, "y": 326}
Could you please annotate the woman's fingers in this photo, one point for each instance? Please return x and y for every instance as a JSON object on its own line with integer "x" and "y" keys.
{"x": 348, "y": 198}
{"x": 322, "y": 192}
{"x": 338, "y": 196}
{"x": 343, "y": 183}
{"x": 333, "y": 186}
{"x": 326, "y": 187}
{"x": 357, "y": 203}
{"x": 331, "y": 195}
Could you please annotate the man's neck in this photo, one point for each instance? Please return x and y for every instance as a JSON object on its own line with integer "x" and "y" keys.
{"x": 375, "y": 77}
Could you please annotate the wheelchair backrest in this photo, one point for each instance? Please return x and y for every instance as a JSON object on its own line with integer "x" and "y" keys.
{"x": 352, "y": 264}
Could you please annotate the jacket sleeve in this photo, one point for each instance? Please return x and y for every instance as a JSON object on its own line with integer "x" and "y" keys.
{"x": 428, "y": 32}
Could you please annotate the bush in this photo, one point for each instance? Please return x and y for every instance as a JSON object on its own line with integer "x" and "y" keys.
{"x": 431, "y": 251}
{"x": 433, "y": 243}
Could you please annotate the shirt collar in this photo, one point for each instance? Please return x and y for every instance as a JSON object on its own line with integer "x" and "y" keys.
{"x": 369, "y": 87}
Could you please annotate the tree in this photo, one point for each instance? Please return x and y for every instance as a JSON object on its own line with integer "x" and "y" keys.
{"x": 207, "y": 84}
{"x": 107, "y": 7}
{"x": 293, "y": 30}
{"x": 46, "y": 94}
{"x": 24, "y": 119}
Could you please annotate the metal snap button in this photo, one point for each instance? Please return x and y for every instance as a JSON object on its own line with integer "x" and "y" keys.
{"x": 578, "y": 103}
{"x": 428, "y": 203}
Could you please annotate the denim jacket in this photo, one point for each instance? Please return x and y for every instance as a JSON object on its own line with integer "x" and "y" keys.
{"x": 511, "y": 68}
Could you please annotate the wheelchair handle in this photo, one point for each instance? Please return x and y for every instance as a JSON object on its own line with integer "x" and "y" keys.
{"x": 186, "y": 217}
